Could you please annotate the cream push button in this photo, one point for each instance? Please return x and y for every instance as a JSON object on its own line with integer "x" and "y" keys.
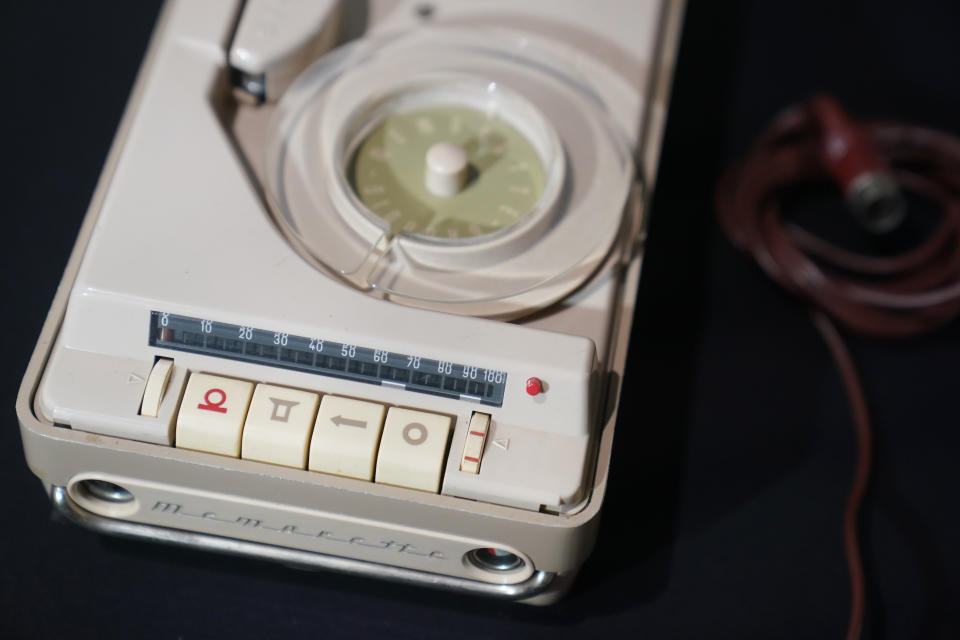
{"x": 212, "y": 414}
{"x": 412, "y": 448}
{"x": 278, "y": 425}
{"x": 155, "y": 387}
{"x": 345, "y": 437}
{"x": 473, "y": 445}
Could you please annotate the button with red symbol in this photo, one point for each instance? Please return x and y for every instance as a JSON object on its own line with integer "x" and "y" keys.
{"x": 212, "y": 414}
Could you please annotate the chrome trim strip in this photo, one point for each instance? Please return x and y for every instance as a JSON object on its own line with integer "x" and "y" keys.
{"x": 532, "y": 586}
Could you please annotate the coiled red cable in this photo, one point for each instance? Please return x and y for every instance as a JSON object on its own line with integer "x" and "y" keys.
{"x": 879, "y": 296}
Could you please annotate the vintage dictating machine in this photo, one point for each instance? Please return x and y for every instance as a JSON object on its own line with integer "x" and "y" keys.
{"x": 355, "y": 288}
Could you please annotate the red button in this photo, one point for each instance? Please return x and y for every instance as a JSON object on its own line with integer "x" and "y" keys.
{"x": 534, "y": 386}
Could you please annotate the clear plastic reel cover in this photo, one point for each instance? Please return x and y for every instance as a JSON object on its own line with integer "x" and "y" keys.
{"x": 308, "y": 148}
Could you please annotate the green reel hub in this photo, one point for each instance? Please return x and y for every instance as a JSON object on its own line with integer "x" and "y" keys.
{"x": 446, "y": 172}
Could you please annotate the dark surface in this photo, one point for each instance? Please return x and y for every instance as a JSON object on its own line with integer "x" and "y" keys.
{"x": 734, "y": 452}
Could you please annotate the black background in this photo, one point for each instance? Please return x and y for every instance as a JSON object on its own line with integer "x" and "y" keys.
{"x": 734, "y": 451}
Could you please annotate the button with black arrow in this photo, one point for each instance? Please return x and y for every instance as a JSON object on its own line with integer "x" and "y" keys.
{"x": 345, "y": 437}
{"x": 340, "y": 421}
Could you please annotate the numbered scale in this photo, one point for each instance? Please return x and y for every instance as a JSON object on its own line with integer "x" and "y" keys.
{"x": 364, "y": 309}
{"x": 328, "y": 358}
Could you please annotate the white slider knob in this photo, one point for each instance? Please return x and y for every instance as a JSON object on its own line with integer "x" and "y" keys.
{"x": 446, "y": 169}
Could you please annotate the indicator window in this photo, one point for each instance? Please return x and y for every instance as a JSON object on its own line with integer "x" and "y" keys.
{"x": 325, "y": 357}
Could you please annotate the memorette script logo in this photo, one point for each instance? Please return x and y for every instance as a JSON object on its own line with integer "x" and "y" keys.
{"x": 292, "y": 529}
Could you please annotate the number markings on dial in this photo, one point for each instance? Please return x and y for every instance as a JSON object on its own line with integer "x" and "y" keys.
{"x": 425, "y": 126}
{"x": 379, "y": 154}
{"x": 489, "y": 201}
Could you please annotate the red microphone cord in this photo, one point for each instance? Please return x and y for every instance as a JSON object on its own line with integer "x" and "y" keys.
{"x": 878, "y": 296}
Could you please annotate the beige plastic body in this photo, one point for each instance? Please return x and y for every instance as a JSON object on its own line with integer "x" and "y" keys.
{"x": 231, "y": 497}
{"x": 274, "y": 41}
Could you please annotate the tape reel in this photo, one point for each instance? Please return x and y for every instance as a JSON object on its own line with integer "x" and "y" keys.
{"x": 530, "y": 200}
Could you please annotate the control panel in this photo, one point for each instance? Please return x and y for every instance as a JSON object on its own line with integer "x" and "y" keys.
{"x": 305, "y": 429}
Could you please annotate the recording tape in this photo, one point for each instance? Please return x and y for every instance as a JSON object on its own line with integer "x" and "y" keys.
{"x": 490, "y": 182}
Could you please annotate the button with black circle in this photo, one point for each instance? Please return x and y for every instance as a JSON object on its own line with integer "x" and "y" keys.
{"x": 412, "y": 449}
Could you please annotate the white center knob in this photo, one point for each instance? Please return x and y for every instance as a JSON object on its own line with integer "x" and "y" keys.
{"x": 446, "y": 169}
